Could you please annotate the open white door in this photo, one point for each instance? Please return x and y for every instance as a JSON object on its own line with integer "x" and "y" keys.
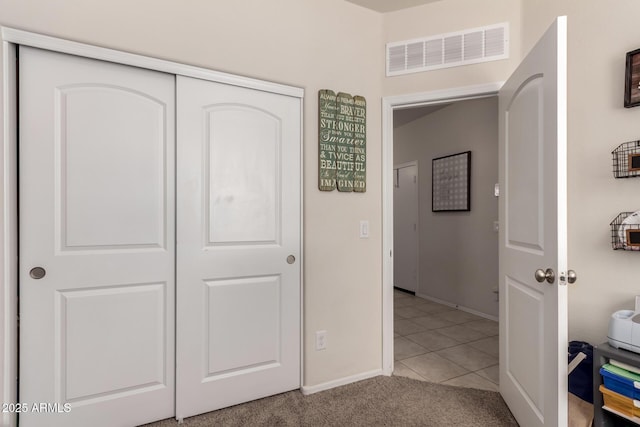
{"x": 239, "y": 245}
{"x": 97, "y": 242}
{"x": 405, "y": 227}
{"x": 533, "y": 234}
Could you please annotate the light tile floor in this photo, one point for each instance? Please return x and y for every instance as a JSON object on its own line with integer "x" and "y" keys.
{"x": 437, "y": 343}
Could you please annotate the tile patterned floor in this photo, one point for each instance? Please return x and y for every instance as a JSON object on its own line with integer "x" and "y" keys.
{"x": 437, "y": 343}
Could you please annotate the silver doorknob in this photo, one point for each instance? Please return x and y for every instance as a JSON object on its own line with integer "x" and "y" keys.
{"x": 571, "y": 276}
{"x": 542, "y": 275}
{"x": 37, "y": 273}
{"x": 291, "y": 259}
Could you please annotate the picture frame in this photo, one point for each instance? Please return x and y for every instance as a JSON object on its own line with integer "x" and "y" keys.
{"x": 633, "y": 162}
{"x": 451, "y": 183}
{"x": 632, "y": 79}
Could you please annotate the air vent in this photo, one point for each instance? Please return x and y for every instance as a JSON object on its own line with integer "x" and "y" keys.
{"x": 448, "y": 50}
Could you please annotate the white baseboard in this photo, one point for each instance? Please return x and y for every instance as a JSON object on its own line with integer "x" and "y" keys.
{"x": 459, "y": 307}
{"x": 307, "y": 390}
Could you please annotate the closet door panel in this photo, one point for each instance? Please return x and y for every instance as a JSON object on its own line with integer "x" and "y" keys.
{"x": 238, "y": 269}
{"x": 97, "y": 245}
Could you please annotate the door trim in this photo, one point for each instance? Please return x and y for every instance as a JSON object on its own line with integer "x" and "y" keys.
{"x": 9, "y": 234}
{"x": 389, "y": 104}
{"x": 11, "y": 38}
{"x": 20, "y": 37}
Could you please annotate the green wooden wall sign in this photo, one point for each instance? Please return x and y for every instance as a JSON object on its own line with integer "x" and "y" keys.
{"x": 360, "y": 144}
{"x": 344, "y": 153}
{"x": 328, "y": 135}
{"x": 342, "y": 142}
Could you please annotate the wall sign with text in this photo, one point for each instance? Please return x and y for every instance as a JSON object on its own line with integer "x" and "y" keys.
{"x": 342, "y": 142}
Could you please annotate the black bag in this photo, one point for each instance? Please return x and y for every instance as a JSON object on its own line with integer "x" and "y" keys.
{"x": 581, "y": 379}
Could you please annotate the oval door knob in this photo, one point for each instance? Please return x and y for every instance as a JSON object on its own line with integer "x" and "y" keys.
{"x": 572, "y": 276}
{"x": 291, "y": 259}
{"x": 542, "y": 275}
{"x": 37, "y": 273}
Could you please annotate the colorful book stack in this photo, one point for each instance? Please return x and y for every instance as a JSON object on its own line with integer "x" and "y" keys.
{"x": 621, "y": 389}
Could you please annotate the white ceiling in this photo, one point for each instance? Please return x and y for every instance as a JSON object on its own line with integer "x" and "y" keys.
{"x": 390, "y": 5}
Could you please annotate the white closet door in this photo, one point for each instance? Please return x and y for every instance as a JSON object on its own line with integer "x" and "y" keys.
{"x": 97, "y": 218}
{"x": 239, "y": 254}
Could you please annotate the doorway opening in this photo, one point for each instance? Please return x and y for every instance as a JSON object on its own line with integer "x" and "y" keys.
{"x": 448, "y": 333}
{"x": 431, "y": 304}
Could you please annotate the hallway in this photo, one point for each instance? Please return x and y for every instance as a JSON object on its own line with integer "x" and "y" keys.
{"x": 437, "y": 343}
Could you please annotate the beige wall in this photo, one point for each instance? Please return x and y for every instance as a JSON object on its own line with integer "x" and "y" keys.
{"x": 314, "y": 44}
{"x": 600, "y": 33}
{"x": 458, "y": 250}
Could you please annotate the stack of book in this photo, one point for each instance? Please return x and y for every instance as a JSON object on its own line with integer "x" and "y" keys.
{"x": 621, "y": 389}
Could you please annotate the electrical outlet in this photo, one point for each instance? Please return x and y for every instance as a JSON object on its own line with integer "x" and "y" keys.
{"x": 321, "y": 340}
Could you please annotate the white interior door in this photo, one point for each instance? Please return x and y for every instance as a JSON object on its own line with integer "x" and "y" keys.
{"x": 405, "y": 228}
{"x": 533, "y": 315}
{"x": 96, "y": 182}
{"x": 239, "y": 253}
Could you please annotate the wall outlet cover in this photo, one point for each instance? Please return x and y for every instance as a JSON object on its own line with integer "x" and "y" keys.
{"x": 321, "y": 340}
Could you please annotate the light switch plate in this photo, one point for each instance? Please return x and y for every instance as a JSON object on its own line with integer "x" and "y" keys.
{"x": 364, "y": 229}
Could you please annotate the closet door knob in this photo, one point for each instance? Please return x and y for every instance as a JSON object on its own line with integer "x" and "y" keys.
{"x": 291, "y": 259}
{"x": 37, "y": 273}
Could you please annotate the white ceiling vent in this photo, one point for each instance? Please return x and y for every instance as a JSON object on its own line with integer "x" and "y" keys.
{"x": 448, "y": 50}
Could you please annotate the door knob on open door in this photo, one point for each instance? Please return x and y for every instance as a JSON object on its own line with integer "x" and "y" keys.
{"x": 548, "y": 275}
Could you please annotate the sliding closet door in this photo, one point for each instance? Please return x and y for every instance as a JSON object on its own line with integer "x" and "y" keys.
{"x": 97, "y": 245}
{"x": 238, "y": 269}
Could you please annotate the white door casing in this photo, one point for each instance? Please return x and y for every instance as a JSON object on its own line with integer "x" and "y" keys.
{"x": 533, "y": 234}
{"x": 97, "y": 213}
{"x": 239, "y": 253}
{"x": 389, "y": 104}
{"x": 405, "y": 227}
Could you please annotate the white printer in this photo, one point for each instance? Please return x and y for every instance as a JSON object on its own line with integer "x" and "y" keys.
{"x": 624, "y": 329}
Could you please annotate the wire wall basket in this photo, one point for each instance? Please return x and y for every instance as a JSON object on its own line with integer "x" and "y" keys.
{"x": 626, "y": 160}
{"x": 625, "y": 231}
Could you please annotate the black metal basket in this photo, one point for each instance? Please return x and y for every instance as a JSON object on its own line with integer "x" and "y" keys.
{"x": 619, "y": 233}
{"x": 625, "y": 159}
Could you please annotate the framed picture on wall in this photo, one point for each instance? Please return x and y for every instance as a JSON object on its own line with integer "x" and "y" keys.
{"x": 632, "y": 80}
{"x": 451, "y": 183}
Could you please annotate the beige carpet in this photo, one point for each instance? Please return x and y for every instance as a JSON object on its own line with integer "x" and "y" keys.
{"x": 380, "y": 401}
